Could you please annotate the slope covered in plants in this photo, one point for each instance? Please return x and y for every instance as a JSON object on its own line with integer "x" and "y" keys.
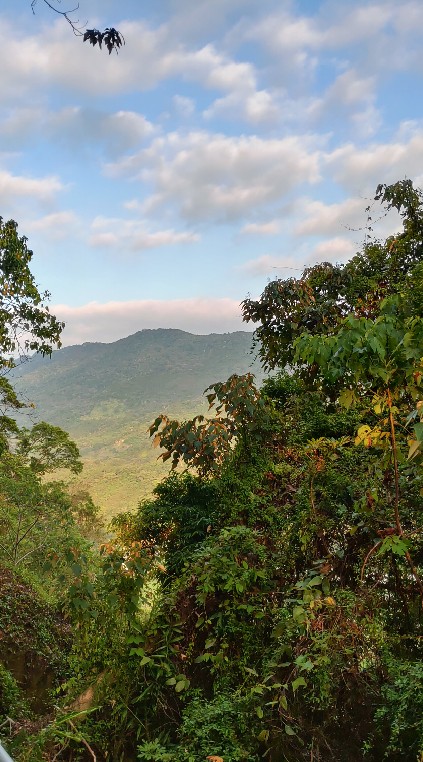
{"x": 267, "y": 603}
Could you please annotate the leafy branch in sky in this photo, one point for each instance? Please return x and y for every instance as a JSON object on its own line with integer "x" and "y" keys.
{"x": 110, "y": 37}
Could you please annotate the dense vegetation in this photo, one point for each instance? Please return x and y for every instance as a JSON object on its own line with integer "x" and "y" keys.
{"x": 267, "y": 602}
{"x": 106, "y": 395}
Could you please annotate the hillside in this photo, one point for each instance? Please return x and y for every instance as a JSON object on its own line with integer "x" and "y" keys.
{"x": 105, "y": 395}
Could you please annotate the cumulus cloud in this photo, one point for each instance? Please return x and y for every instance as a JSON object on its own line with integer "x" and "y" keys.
{"x": 185, "y": 107}
{"x": 365, "y": 167}
{"x": 319, "y": 218}
{"x": 151, "y": 55}
{"x": 335, "y": 27}
{"x": 213, "y": 177}
{"x": 336, "y": 249}
{"x": 333, "y": 250}
{"x": 254, "y": 106}
{"x": 56, "y": 226}
{"x": 380, "y": 37}
{"x": 79, "y": 128}
{"x": 132, "y": 235}
{"x": 261, "y": 228}
{"x": 42, "y": 189}
{"x": 112, "y": 320}
{"x": 350, "y": 96}
{"x": 272, "y": 266}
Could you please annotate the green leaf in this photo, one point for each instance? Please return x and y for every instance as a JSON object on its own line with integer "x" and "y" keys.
{"x": 263, "y": 736}
{"x": 297, "y": 683}
{"x": 299, "y": 614}
{"x": 415, "y": 447}
{"x": 347, "y": 398}
{"x": 418, "y": 430}
{"x": 315, "y": 581}
{"x": 289, "y": 730}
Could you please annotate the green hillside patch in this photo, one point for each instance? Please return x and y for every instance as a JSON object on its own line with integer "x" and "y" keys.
{"x": 106, "y": 396}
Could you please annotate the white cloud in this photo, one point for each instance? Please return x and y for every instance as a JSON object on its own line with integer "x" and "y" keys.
{"x": 255, "y": 107}
{"x": 262, "y": 228}
{"x": 381, "y": 36}
{"x": 284, "y": 266}
{"x": 185, "y": 107}
{"x": 318, "y": 218}
{"x": 17, "y": 186}
{"x": 350, "y": 96}
{"x": 82, "y": 128}
{"x": 112, "y": 320}
{"x": 273, "y": 267}
{"x": 208, "y": 176}
{"x": 56, "y": 226}
{"x": 150, "y": 56}
{"x": 364, "y": 168}
{"x": 333, "y": 250}
{"x": 132, "y": 235}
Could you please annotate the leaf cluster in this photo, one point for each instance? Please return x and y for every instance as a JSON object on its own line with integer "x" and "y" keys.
{"x": 111, "y": 38}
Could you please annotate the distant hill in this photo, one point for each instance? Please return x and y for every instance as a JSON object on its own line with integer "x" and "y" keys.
{"x": 106, "y": 394}
{"x": 142, "y": 372}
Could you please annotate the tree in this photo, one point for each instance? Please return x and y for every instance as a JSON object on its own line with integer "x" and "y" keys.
{"x": 26, "y": 324}
{"x": 206, "y": 443}
{"x": 318, "y": 301}
{"x": 111, "y": 38}
{"x": 45, "y": 448}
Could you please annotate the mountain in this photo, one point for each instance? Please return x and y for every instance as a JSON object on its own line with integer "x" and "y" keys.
{"x": 105, "y": 395}
{"x": 141, "y": 372}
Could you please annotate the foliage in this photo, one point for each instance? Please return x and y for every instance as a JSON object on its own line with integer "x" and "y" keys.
{"x": 206, "y": 443}
{"x": 175, "y": 522}
{"x": 112, "y": 39}
{"x": 11, "y": 701}
{"x": 269, "y": 603}
{"x": 26, "y": 325}
{"x": 47, "y": 448}
{"x": 35, "y": 517}
{"x": 212, "y": 730}
{"x": 325, "y": 294}
{"x": 402, "y": 710}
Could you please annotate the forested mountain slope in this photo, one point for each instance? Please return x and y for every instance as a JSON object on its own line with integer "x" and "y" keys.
{"x": 267, "y": 604}
{"x": 140, "y": 372}
{"x": 106, "y": 395}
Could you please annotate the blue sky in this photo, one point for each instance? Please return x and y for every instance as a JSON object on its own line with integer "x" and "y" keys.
{"x": 229, "y": 142}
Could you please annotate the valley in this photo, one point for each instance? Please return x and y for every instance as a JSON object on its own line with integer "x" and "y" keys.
{"x": 106, "y": 395}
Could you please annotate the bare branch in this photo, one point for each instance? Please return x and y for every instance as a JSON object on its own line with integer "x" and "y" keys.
{"x": 111, "y": 38}
{"x": 76, "y": 26}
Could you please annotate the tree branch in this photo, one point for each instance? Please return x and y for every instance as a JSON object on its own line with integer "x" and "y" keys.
{"x": 77, "y": 30}
{"x": 111, "y": 38}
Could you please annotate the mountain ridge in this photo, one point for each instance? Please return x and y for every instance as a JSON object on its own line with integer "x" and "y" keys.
{"x": 149, "y": 367}
{"x": 106, "y": 394}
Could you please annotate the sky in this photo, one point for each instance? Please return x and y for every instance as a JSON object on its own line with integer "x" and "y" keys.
{"x": 230, "y": 142}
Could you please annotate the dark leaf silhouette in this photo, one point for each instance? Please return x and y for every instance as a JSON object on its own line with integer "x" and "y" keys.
{"x": 112, "y": 39}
